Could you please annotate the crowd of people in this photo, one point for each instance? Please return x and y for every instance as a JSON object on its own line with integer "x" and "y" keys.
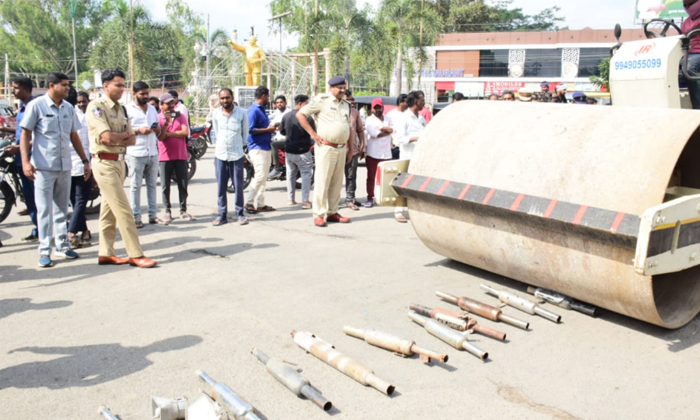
{"x": 65, "y": 143}
{"x": 544, "y": 95}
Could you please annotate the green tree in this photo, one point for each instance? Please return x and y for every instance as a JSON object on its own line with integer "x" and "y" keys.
{"x": 478, "y": 16}
{"x": 37, "y": 35}
{"x": 155, "y": 44}
{"x": 403, "y": 18}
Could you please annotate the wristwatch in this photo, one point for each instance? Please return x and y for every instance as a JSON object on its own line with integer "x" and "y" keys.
{"x": 85, "y": 161}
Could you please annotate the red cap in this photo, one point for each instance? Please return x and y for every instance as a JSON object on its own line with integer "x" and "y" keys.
{"x": 377, "y": 101}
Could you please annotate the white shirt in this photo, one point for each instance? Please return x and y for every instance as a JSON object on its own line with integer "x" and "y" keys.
{"x": 146, "y": 144}
{"x": 277, "y": 118}
{"x": 231, "y": 133}
{"x": 408, "y": 127}
{"x": 378, "y": 147}
{"x": 78, "y": 168}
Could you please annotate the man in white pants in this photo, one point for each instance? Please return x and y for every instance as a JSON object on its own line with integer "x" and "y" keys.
{"x": 259, "y": 144}
{"x": 408, "y": 130}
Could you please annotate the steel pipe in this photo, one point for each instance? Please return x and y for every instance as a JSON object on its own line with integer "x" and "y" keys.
{"x": 396, "y": 344}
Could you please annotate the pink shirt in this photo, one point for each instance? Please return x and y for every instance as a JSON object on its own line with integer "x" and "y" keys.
{"x": 172, "y": 148}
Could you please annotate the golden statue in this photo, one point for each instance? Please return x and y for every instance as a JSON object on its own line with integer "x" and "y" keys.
{"x": 254, "y": 57}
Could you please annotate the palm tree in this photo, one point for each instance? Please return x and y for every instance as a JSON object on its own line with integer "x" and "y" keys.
{"x": 154, "y": 43}
{"x": 399, "y": 16}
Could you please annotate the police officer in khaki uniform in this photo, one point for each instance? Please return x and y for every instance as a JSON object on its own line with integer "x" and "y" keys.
{"x": 110, "y": 133}
{"x": 332, "y": 113}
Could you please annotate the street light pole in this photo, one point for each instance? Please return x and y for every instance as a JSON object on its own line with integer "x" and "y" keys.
{"x": 131, "y": 43}
{"x": 75, "y": 56}
{"x": 315, "y": 78}
{"x": 279, "y": 17}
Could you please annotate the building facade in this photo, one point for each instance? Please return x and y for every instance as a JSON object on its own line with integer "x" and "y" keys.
{"x": 478, "y": 64}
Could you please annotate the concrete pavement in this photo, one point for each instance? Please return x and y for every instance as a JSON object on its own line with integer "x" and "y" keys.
{"x": 79, "y": 335}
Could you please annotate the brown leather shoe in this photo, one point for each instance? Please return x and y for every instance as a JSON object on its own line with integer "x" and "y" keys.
{"x": 336, "y": 218}
{"x": 113, "y": 260}
{"x": 318, "y": 221}
{"x": 142, "y": 262}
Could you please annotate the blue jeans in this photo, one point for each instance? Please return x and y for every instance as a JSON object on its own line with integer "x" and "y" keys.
{"x": 28, "y": 192}
{"x": 79, "y": 193}
{"x": 694, "y": 87}
{"x": 52, "y": 193}
{"x": 141, "y": 167}
{"x": 226, "y": 170}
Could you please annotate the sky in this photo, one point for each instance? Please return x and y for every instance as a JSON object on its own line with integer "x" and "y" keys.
{"x": 241, "y": 14}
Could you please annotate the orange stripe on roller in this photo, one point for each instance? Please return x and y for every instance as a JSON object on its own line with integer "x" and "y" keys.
{"x": 579, "y": 215}
{"x": 425, "y": 184}
{"x": 516, "y": 203}
{"x": 464, "y": 192}
{"x": 443, "y": 188}
{"x": 550, "y": 209}
{"x": 407, "y": 181}
{"x": 488, "y": 196}
{"x": 617, "y": 221}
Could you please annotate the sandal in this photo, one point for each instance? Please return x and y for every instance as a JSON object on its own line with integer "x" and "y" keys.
{"x": 156, "y": 221}
{"x": 265, "y": 208}
{"x": 351, "y": 205}
{"x": 167, "y": 219}
{"x": 219, "y": 221}
{"x": 400, "y": 218}
{"x": 139, "y": 224}
{"x": 250, "y": 209}
{"x": 187, "y": 216}
{"x": 87, "y": 236}
{"x": 243, "y": 221}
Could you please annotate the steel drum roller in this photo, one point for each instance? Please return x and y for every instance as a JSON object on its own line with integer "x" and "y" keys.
{"x": 553, "y": 196}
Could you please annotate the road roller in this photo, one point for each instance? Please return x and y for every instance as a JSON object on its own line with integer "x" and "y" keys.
{"x": 600, "y": 203}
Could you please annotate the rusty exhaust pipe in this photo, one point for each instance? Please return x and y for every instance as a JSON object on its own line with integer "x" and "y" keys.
{"x": 487, "y": 311}
{"x": 511, "y": 299}
{"x": 236, "y": 405}
{"x": 292, "y": 380}
{"x": 562, "y": 301}
{"x": 328, "y": 354}
{"x": 457, "y": 321}
{"x": 448, "y": 335}
{"x": 398, "y": 345}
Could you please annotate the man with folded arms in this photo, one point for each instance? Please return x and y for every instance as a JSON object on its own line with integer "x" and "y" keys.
{"x": 110, "y": 134}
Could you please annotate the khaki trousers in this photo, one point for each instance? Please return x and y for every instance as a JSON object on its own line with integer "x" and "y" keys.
{"x": 261, "y": 160}
{"x": 328, "y": 179}
{"x": 115, "y": 209}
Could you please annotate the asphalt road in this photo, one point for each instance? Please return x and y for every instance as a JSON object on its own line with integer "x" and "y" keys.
{"x": 79, "y": 335}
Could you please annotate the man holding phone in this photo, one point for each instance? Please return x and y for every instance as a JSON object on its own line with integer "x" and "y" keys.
{"x": 142, "y": 157}
{"x": 172, "y": 154}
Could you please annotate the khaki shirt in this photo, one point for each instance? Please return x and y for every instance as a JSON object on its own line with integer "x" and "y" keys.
{"x": 332, "y": 118}
{"x": 102, "y": 115}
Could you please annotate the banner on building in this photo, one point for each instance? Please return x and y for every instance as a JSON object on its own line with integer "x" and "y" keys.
{"x": 647, "y": 10}
{"x": 499, "y": 87}
{"x": 470, "y": 89}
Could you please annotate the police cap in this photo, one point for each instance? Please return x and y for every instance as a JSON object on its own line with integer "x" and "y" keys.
{"x": 337, "y": 80}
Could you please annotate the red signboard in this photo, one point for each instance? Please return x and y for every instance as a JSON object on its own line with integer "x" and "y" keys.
{"x": 499, "y": 87}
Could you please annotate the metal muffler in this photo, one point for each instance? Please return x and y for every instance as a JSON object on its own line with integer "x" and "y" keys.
{"x": 601, "y": 204}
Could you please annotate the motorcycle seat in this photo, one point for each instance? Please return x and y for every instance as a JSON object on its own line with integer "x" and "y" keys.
{"x": 198, "y": 129}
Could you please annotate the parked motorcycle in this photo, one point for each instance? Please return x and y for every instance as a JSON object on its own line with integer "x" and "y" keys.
{"x": 10, "y": 187}
{"x": 201, "y": 137}
{"x": 192, "y": 159}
